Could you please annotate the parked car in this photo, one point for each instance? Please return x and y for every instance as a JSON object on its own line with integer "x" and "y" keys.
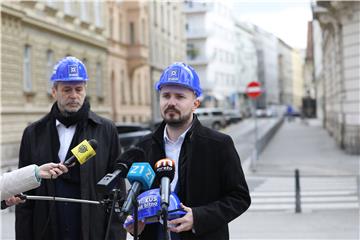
{"x": 129, "y": 134}
{"x": 211, "y": 117}
{"x": 232, "y": 116}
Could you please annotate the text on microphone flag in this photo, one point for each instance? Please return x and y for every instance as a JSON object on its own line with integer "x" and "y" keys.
{"x": 166, "y": 162}
{"x": 142, "y": 172}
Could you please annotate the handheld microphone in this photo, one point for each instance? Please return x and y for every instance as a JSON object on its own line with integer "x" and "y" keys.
{"x": 123, "y": 163}
{"x": 141, "y": 176}
{"x": 165, "y": 170}
{"x": 82, "y": 152}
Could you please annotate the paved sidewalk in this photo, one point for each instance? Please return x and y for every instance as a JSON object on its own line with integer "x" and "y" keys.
{"x": 329, "y": 184}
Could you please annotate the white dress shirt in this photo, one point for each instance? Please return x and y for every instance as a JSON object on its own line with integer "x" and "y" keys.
{"x": 65, "y": 137}
{"x": 172, "y": 151}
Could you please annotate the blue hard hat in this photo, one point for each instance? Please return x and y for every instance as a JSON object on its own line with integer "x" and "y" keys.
{"x": 180, "y": 74}
{"x": 69, "y": 69}
{"x": 150, "y": 207}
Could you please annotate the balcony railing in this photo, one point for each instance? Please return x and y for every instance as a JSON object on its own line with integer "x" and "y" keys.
{"x": 197, "y": 33}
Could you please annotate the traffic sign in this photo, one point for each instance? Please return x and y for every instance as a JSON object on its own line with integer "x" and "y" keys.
{"x": 253, "y": 90}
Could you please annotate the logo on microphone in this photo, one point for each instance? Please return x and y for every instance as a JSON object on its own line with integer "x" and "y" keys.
{"x": 165, "y": 165}
{"x": 83, "y": 151}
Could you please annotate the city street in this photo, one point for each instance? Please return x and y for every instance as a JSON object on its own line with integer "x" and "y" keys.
{"x": 328, "y": 182}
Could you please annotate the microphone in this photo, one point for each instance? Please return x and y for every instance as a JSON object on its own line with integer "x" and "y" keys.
{"x": 165, "y": 170}
{"x": 82, "y": 152}
{"x": 123, "y": 163}
{"x": 141, "y": 176}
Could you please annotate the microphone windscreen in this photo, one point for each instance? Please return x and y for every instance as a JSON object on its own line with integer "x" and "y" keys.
{"x": 93, "y": 143}
{"x": 84, "y": 150}
{"x": 165, "y": 168}
{"x": 131, "y": 156}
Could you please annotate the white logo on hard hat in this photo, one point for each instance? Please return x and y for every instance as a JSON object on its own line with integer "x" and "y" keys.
{"x": 173, "y": 76}
{"x": 73, "y": 71}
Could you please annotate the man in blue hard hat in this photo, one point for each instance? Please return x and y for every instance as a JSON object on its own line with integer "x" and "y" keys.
{"x": 51, "y": 139}
{"x": 209, "y": 179}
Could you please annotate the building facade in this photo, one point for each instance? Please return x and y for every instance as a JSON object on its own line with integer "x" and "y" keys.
{"x": 247, "y": 65}
{"x": 34, "y": 36}
{"x": 167, "y": 42}
{"x": 339, "y": 79}
{"x": 128, "y": 60}
{"x": 297, "y": 59}
{"x": 267, "y": 49}
{"x": 211, "y": 40}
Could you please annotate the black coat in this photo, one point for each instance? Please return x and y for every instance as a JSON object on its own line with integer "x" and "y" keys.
{"x": 35, "y": 148}
{"x": 212, "y": 181}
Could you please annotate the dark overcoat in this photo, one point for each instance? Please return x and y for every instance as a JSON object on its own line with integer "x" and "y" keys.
{"x": 212, "y": 181}
{"x": 31, "y": 217}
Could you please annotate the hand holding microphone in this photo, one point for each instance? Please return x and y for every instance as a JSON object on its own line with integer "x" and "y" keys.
{"x": 51, "y": 170}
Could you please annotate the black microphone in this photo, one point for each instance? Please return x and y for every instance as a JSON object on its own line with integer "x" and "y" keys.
{"x": 165, "y": 170}
{"x": 82, "y": 152}
{"x": 123, "y": 163}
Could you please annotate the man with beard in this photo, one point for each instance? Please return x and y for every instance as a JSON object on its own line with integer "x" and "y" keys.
{"x": 209, "y": 179}
{"x": 51, "y": 139}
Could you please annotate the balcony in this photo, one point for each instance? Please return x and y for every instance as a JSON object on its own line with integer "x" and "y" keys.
{"x": 198, "y": 61}
{"x": 137, "y": 56}
{"x": 197, "y": 7}
{"x": 197, "y": 33}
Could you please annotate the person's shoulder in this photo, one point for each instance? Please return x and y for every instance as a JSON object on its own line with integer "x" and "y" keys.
{"x": 38, "y": 123}
{"x": 100, "y": 120}
{"x": 146, "y": 139}
{"x": 212, "y": 135}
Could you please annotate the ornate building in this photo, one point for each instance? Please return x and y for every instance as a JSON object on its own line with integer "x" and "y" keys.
{"x": 338, "y": 87}
{"x": 128, "y": 61}
{"x": 34, "y": 36}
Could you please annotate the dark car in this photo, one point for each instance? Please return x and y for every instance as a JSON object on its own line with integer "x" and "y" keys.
{"x": 129, "y": 134}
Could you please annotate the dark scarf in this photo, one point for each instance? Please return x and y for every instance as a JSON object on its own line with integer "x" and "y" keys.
{"x": 68, "y": 215}
{"x": 73, "y": 118}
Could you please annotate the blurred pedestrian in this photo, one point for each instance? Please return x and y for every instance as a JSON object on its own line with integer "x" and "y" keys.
{"x": 289, "y": 113}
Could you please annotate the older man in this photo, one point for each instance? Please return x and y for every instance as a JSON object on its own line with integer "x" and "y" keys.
{"x": 51, "y": 138}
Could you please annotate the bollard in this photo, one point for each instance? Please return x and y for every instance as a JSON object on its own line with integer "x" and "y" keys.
{"x": 297, "y": 192}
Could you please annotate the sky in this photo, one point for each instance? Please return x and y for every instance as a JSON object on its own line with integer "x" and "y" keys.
{"x": 285, "y": 19}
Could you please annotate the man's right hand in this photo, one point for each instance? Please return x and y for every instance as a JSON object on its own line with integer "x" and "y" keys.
{"x": 130, "y": 228}
{"x": 52, "y": 170}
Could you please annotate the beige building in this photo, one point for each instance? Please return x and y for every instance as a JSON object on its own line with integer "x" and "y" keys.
{"x": 144, "y": 37}
{"x": 298, "y": 78}
{"x": 338, "y": 84}
{"x": 128, "y": 61}
{"x": 34, "y": 36}
{"x": 167, "y": 41}
{"x": 285, "y": 73}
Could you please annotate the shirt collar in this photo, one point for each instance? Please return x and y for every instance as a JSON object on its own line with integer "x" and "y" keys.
{"x": 180, "y": 138}
{"x": 58, "y": 123}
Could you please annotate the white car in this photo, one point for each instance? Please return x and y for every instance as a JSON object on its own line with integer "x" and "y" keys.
{"x": 211, "y": 117}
